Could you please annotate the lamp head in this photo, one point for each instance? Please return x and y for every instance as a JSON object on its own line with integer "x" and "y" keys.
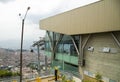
{"x": 19, "y": 14}
{"x": 28, "y": 8}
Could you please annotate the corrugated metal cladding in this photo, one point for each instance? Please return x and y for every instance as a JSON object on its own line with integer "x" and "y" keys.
{"x": 102, "y": 16}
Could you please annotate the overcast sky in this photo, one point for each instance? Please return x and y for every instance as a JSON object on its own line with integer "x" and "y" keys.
{"x": 10, "y": 22}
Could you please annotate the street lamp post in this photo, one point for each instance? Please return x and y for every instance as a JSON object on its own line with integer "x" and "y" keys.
{"x": 23, "y": 20}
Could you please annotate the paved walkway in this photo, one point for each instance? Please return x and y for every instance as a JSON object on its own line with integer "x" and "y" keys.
{"x": 51, "y": 79}
{"x": 76, "y": 79}
{"x": 44, "y": 79}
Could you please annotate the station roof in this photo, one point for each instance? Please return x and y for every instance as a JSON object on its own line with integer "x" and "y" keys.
{"x": 102, "y": 16}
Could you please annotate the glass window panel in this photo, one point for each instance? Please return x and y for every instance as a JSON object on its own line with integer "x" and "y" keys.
{"x": 66, "y": 48}
{"x": 60, "y": 48}
{"x": 47, "y": 45}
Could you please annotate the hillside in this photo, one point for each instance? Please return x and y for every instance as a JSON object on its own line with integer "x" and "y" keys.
{"x": 12, "y": 57}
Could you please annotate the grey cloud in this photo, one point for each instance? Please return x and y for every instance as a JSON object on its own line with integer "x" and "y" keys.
{"x": 6, "y": 1}
{"x": 15, "y": 44}
{"x": 35, "y": 18}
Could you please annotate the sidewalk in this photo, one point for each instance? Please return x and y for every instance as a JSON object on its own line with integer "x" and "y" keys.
{"x": 76, "y": 79}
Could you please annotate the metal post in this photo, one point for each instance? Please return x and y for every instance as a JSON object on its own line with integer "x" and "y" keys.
{"x": 38, "y": 60}
{"x": 23, "y": 20}
{"x": 21, "y": 50}
{"x": 63, "y": 57}
{"x": 46, "y": 64}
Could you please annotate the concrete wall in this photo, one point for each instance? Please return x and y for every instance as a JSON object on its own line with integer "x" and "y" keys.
{"x": 107, "y": 64}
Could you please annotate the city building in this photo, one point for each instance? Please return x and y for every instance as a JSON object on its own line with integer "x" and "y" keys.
{"x": 86, "y": 40}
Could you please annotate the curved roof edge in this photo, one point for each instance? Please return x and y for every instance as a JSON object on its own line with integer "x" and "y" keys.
{"x": 102, "y": 16}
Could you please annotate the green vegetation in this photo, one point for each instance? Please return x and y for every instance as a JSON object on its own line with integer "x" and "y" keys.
{"x": 98, "y": 77}
{"x": 64, "y": 79}
{"x": 6, "y": 73}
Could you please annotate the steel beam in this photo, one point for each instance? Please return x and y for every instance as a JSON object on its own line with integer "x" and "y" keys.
{"x": 50, "y": 39}
{"x": 115, "y": 38}
{"x": 86, "y": 41}
{"x": 78, "y": 53}
{"x": 59, "y": 39}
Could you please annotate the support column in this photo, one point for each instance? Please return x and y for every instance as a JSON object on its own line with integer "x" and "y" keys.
{"x": 80, "y": 57}
{"x": 51, "y": 45}
{"x": 57, "y": 42}
{"x": 80, "y": 62}
{"x": 80, "y": 52}
{"x": 54, "y": 44}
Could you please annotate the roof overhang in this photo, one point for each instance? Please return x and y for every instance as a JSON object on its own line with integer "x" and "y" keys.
{"x": 102, "y": 16}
